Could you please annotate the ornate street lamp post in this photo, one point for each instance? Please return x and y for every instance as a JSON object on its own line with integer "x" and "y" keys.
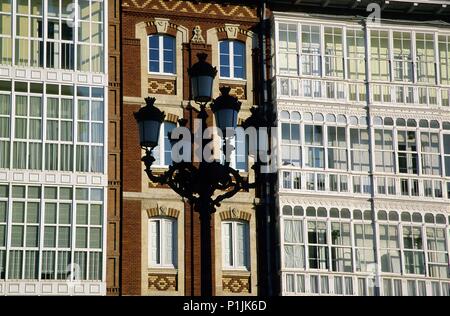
{"x": 197, "y": 183}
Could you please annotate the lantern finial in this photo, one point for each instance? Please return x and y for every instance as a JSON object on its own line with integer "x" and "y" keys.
{"x": 150, "y": 111}
{"x": 226, "y": 109}
{"x": 202, "y": 76}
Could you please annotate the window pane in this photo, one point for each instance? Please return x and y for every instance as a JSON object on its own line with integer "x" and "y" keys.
{"x": 64, "y": 237}
{"x": 96, "y": 238}
{"x": 81, "y": 237}
{"x": 50, "y": 237}
{"x": 82, "y": 214}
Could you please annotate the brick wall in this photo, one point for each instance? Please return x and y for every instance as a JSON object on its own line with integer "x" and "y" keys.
{"x": 132, "y": 164}
{"x": 131, "y": 209}
{"x": 131, "y": 67}
{"x": 131, "y": 247}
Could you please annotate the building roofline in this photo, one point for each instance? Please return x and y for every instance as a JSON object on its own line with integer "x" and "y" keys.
{"x": 360, "y": 19}
{"x": 409, "y": 7}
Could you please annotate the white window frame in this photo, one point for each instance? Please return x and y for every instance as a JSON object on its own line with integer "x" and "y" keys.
{"x": 161, "y": 55}
{"x": 234, "y": 242}
{"x": 231, "y": 60}
{"x": 161, "y": 221}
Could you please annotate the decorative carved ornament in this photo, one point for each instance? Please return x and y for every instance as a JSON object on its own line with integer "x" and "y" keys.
{"x": 327, "y": 203}
{"x": 386, "y": 205}
{"x": 232, "y": 31}
{"x": 161, "y": 26}
{"x": 237, "y": 90}
{"x": 172, "y": 118}
{"x": 349, "y": 110}
{"x": 316, "y": 108}
{"x": 198, "y": 37}
{"x": 235, "y": 214}
{"x": 162, "y": 282}
{"x": 162, "y": 86}
{"x": 236, "y": 284}
{"x": 163, "y": 211}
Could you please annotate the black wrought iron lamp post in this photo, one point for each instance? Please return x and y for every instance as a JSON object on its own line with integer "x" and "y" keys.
{"x": 199, "y": 183}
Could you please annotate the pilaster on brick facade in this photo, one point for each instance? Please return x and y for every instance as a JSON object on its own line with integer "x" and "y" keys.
{"x": 113, "y": 264}
{"x": 131, "y": 67}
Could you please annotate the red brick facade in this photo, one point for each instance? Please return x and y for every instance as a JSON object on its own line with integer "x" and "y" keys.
{"x": 185, "y": 15}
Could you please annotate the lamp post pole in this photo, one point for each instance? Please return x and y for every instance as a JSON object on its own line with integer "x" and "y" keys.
{"x": 205, "y": 208}
{"x": 206, "y": 250}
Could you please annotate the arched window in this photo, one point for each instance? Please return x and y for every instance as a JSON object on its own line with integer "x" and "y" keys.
{"x": 296, "y": 116}
{"x": 382, "y": 215}
{"x": 334, "y": 212}
{"x": 429, "y": 218}
{"x": 377, "y": 121}
{"x": 298, "y": 211}
{"x": 236, "y": 245}
{"x": 357, "y": 214}
{"x": 162, "y": 239}
{"x": 287, "y": 210}
{"x": 440, "y": 219}
{"x": 161, "y": 54}
{"x": 434, "y": 124}
{"x": 232, "y": 59}
{"x": 393, "y": 216}
{"x": 284, "y": 115}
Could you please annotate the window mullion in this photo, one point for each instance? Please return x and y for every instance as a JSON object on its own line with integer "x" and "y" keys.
{"x": 13, "y": 42}
{"x": 437, "y": 61}
{"x": 231, "y": 58}
{"x": 75, "y": 35}
{"x": 161, "y": 241}
{"x": 322, "y": 54}
{"x": 345, "y": 60}
{"x": 75, "y": 129}
{"x": 425, "y": 248}
{"x": 415, "y": 62}
{"x": 442, "y": 158}
{"x": 418, "y": 152}
{"x": 236, "y": 245}
{"x": 325, "y": 146}
{"x": 161, "y": 53}
{"x": 73, "y": 227}
{"x": 162, "y": 145}
{"x": 329, "y": 243}
{"x": 390, "y": 54}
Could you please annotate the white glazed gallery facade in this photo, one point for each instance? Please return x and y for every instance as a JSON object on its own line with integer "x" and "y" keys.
{"x": 364, "y": 170}
{"x": 53, "y": 131}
